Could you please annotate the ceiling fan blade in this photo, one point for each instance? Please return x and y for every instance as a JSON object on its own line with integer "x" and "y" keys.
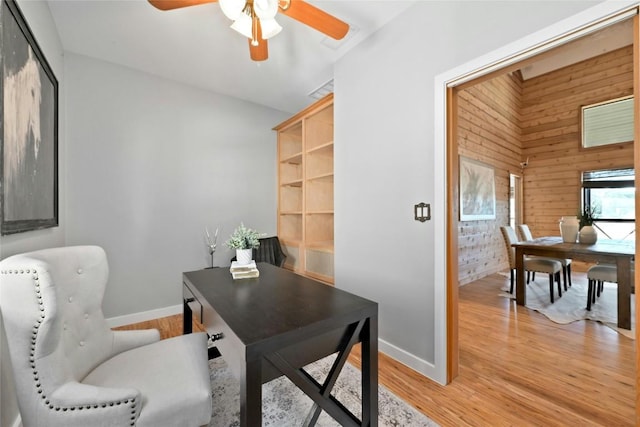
{"x": 315, "y": 18}
{"x": 177, "y": 4}
{"x": 261, "y": 51}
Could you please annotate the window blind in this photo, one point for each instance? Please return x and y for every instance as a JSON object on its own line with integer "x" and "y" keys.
{"x": 607, "y": 123}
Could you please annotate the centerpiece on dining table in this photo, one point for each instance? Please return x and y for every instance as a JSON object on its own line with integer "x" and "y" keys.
{"x": 588, "y": 234}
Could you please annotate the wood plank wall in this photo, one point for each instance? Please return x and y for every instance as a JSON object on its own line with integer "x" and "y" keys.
{"x": 551, "y": 135}
{"x": 488, "y": 131}
{"x": 505, "y": 121}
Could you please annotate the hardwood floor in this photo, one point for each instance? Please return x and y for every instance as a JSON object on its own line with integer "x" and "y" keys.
{"x": 516, "y": 368}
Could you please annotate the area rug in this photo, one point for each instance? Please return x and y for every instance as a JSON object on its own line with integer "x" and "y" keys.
{"x": 572, "y": 306}
{"x": 284, "y": 405}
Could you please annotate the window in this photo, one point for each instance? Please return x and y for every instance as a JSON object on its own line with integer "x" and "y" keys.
{"x": 612, "y": 194}
{"x": 609, "y": 122}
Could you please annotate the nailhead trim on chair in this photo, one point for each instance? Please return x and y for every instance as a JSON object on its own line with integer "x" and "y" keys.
{"x": 36, "y": 379}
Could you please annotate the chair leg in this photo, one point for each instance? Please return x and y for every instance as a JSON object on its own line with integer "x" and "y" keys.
{"x": 533, "y": 275}
{"x": 589, "y": 294}
{"x": 569, "y": 274}
{"x": 557, "y": 275}
{"x": 564, "y": 276}
{"x": 528, "y": 277}
{"x": 512, "y": 271}
{"x": 600, "y": 287}
{"x": 551, "y": 287}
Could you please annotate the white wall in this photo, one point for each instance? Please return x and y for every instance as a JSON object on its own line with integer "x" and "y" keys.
{"x": 150, "y": 164}
{"x": 39, "y": 18}
{"x": 384, "y": 156}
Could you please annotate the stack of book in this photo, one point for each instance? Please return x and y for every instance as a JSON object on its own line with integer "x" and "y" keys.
{"x": 244, "y": 271}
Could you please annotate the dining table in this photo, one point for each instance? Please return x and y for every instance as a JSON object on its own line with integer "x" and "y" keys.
{"x": 618, "y": 252}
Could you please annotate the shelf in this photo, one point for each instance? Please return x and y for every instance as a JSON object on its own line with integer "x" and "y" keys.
{"x": 319, "y": 162}
{"x": 295, "y": 159}
{"x": 290, "y": 227}
{"x": 290, "y": 172}
{"x": 322, "y": 246}
{"x": 320, "y": 212}
{"x": 325, "y": 146}
{"x": 323, "y": 176}
{"x": 305, "y": 190}
{"x": 290, "y": 242}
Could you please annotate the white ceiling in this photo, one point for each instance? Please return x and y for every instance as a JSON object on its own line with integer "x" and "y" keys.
{"x": 195, "y": 45}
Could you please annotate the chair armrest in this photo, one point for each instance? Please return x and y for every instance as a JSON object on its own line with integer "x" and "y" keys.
{"x": 112, "y": 403}
{"x": 126, "y": 340}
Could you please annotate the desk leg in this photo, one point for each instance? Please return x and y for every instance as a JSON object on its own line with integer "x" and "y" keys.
{"x": 521, "y": 290}
{"x": 251, "y": 393}
{"x": 623, "y": 265}
{"x": 187, "y": 318}
{"x": 370, "y": 373}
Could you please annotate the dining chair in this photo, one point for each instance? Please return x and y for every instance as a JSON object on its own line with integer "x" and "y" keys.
{"x": 72, "y": 370}
{"x": 597, "y": 275}
{"x": 525, "y": 234}
{"x": 548, "y": 266}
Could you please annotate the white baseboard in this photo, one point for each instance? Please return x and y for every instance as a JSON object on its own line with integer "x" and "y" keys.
{"x": 419, "y": 365}
{"x": 143, "y": 316}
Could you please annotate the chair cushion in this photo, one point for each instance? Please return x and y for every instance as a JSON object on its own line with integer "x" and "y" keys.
{"x": 177, "y": 379}
{"x": 603, "y": 273}
{"x": 542, "y": 265}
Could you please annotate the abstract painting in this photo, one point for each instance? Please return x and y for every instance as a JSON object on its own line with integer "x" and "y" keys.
{"x": 477, "y": 190}
{"x": 29, "y": 128}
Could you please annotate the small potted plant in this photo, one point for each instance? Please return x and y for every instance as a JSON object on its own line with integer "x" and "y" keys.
{"x": 588, "y": 234}
{"x": 243, "y": 240}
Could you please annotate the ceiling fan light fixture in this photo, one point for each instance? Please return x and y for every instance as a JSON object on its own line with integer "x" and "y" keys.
{"x": 265, "y": 9}
{"x": 270, "y": 28}
{"x": 243, "y": 25}
{"x": 232, "y": 9}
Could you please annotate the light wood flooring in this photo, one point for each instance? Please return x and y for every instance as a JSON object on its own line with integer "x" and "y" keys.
{"x": 517, "y": 368}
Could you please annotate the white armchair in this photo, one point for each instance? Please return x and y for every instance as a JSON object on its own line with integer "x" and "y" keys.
{"x": 72, "y": 370}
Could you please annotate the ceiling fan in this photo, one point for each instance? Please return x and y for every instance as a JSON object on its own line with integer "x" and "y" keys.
{"x": 255, "y": 19}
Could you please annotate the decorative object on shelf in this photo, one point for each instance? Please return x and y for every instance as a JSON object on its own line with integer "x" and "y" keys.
{"x": 211, "y": 244}
{"x": 569, "y": 226}
{"x": 244, "y": 271}
{"x": 588, "y": 234}
{"x": 244, "y": 240}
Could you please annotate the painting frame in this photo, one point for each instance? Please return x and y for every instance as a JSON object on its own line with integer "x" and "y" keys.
{"x": 477, "y": 190}
{"x": 29, "y": 128}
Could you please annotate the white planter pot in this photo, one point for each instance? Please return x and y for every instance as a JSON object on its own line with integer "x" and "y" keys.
{"x": 569, "y": 226}
{"x": 588, "y": 235}
{"x": 244, "y": 256}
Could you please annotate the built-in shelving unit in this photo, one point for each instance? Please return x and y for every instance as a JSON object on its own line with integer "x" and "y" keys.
{"x": 305, "y": 190}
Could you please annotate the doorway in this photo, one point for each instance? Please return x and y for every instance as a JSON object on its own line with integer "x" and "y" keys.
{"x": 515, "y": 200}
{"x": 449, "y": 153}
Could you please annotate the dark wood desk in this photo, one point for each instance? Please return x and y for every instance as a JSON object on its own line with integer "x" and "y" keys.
{"x": 276, "y": 324}
{"x": 618, "y": 252}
